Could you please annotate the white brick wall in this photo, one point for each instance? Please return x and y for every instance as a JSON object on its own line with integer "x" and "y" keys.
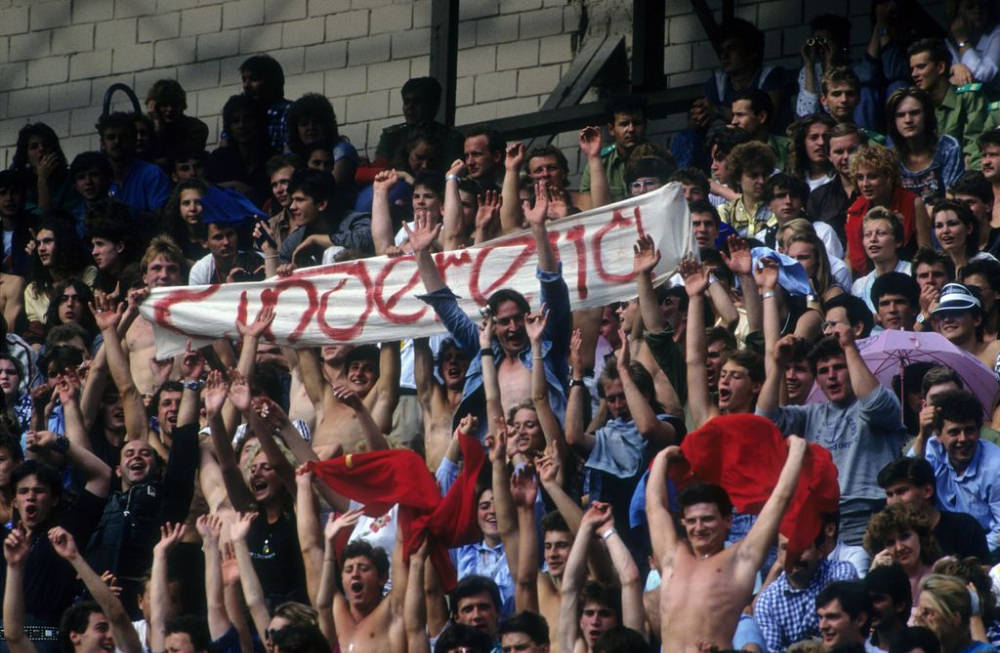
{"x": 57, "y": 57}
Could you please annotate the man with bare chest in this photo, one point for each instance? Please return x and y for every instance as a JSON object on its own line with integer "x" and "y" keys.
{"x": 510, "y": 349}
{"x": 438, "y": 400}
{"x": 706, "y": 586}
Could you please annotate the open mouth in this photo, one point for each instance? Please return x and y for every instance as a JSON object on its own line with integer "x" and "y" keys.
{"x": 725, "y": 394}
{"x": 357, "y": 587}
{"x": 258, "y": 485}
{"x": 30, "y": 511}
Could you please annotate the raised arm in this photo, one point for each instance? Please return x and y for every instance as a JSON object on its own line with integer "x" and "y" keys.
{"x": 159, "y": 598}
{"x": 16, "y": 548}
{"x": 216, "y": 389}
{"x": 210, "y": 528}
{"x": 422, "y": 235}
{"x": 601, "y": 522}
{"x": 590, "y": 147}
{"x": 645, "y": 256}
{"x": 488, "y": 208}
{"x": 534, "y": 324}
{"x": 503, "y": 500}
{"x": 863, "y": 382}
{"x": 491, "y": 383}
{"x": 452, "y": 230}
{"x": 311, "y": 373}
{"x": 510, "y": 210}
{"x": 740, "y": 262}
{"x": 374, "y": 439}
{"x": 754, "y": 547}
{"x": 253, "y": 592}
{"x": 574, "y": 575}
{"x": 385, "y": 395}
{"x": 250, "y": 335}
{"x": 382, "y": 233}
{"x": 536, "y": 218}
{"x": 695, "y": 282}
{"x": 328, "y": 580}
{"x": 776, "y": 348}
{"x": 524, "y": 489}
{"x": 576, "y": 433}
{"x": 307, "y": 525}
{"x": 107, "y": 314}
{"x": 415, "y": 608}
{"x": 656, "y": 432}
{"x": 192, "y": 370}
{"x": 658, "y": 508}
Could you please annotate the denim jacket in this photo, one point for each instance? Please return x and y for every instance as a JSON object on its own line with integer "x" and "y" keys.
{"x": 555, "y": 345}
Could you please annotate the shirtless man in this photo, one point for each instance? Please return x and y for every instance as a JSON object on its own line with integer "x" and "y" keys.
{"x": 706, "y": 586}
{"x": 364, "y": 620}
{"x": 511, "y": 350}
{"x": 332, "y": 381}
{"x": 162, "y": 265}
{"x": 438, "y": 401}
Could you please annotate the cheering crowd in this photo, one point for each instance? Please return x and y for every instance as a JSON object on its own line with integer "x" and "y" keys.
{"x": 791, "y": 444}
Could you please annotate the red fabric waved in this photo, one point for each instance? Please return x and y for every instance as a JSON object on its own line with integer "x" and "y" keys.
{"x": 744, "y": 454}
{"x": 378, "y": 479}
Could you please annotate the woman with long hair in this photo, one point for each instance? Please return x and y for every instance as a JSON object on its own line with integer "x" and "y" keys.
{"x": 39, "y": 156}
{"x": 70, "y": 299}
{"x": 57, "y": 255}
{"x": 809, "y": 159}
{"x": 810, "y": 252}
{"x": 928, "y": 162}
{"x": 311, "y": 120}
{"x": 114, "y": 249}
{"x": 957, "y": 231}
{"x": 945, "y": 607}
{"x": 182, "y": 217}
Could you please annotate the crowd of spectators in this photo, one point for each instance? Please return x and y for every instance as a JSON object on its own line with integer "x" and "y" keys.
{"x": 212, "y": 501}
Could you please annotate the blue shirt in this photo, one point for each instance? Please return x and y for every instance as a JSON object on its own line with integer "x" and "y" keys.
{"x": 145, "y": 189}
{"x": 481, "y": 559}
{"x": 555, "y": 344}
{"x": 975, "y": 491}
{"x": 786, "y": 614}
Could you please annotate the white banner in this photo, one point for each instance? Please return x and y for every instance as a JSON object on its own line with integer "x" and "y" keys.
{"x": 375, "y": 299}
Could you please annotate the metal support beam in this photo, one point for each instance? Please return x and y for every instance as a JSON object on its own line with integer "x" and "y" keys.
{"x": 648, "y": 38}
{"x": 444, "y": 55}
{"x": 707, "y": 20}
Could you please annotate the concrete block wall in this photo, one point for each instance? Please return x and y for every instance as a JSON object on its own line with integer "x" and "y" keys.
{"x": 57, "y": 57}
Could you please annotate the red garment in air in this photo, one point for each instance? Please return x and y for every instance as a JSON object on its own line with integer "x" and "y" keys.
{"x": 744, "y": 454}
{"x": 379, "y": 479}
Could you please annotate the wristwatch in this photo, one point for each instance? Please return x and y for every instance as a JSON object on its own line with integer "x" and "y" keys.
{"x": 194, "y": 385}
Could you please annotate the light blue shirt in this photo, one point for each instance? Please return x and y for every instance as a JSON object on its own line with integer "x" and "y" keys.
{"x": 975, "y": 491}
{"x": 480, "y": 559}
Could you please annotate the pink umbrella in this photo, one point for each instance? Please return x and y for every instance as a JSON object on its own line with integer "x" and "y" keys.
{"x": 887, "y": 353}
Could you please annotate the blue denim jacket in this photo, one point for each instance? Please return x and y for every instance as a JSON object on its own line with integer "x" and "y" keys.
{"x": 555, "y": 345}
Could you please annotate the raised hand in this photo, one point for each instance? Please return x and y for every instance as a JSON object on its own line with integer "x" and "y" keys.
{"x": 135, "y": 297}
{"x": 534, "y": 324}
{"x": 496, "y": 443}
{"x": 784, "y": 349}
{"x": 489, "y": 208}
{"x": 467, "y": 425}
{"x": 170, "y": 535}
{"x": 597, "y": 515}
{"x": 456, "y": 168}
{"x": 844, "y": 333}
{"x": 336, "y": 524}
{"x": 68, "y": 386}
{"x": 385, "y": 181}
{"x": 558, "y": 208}
{"x": 524, "y": 487}
{"x": 576, "y": 352}
{"x": 270, "y": 413}
{"x": 739, "y": 259}
{"x": 63, "y": 543}
{"x": 487, "y": 327}
{"x": 111, "y": 581}
{"x": 624, "y": 355}
{"x": 515, "y": 156}
{"x": 424, "y": 232}
{"x": 695, "y": 277}
{"x": 548, "y": 469}
{"x": 214, "y": 393}
{"x": 16, "y": 548}
{"x": 765, "y": 273}
{"x": 260, "y": 323}
{"x": 240, "y": 527}
{"x": 645, "y": 256}
{"x": 536, "y": 214}
{"x": 38, "y": 440}
{"x": 107, "y": 312}
{"x": 210, "y": 528}
{"x": 590, "y": 141}
{"x": 239, "y": 391}
{"x": 349, "y": 397}
{"x": 192, "y": 364}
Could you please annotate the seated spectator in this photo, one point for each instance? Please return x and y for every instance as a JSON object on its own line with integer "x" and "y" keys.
{"x": 92, "y": 177}
{"x": 829, "y": 203}
{"x": 39, "y": 157}
{"x": 983, "y": 277}
{"x": 646, "y": 174}
{"x": 809, "y": 155}
{"x": 958, "y": 232}
{"x": 911, "y": 482}
{"x": 182, "y": 218}
{"x": 960, "y": 112}
{"x": 721, "y": 141}
{"x": 264, "y": 82}
{"x": 877, "y": 176}
{"x": 113, "y": 248}
{"x": 945, "y": 607}
{"x": 976, "y": 193}
{"x": 187, "y": 165}
{"x": 175, "y": 132}
{"x": 958, "y": 316}
{"x": 932, "y": 269}
{"x": 962, "y": 462}
{"x": 523, "y": 631}
{"x": 225, "y": 261}
{"x": 421, "y": 97}
{"x": 705, "y": 223}
{"x": 786, "y": 609}
{"x": 485, "y": 149}
{"x": 974, "y": 43}
{"x": 312, "y": 121}
{"x": 137, "y": 183}
{"x": 989, "y": 146}
{"x": 891, "y": 598}
{"x": 827, "y": 274}
{"x": 850, "y": 311}
{"x": 749, "y": 165}
{"x": 753, "y": 112}
{"x": 627, "y": 128}
{"x": 16, "y": 221}
{"x": 882, "y": 236}
{"x": 694, "y": 181}
{"x": 929, "y": 161}
{"x": 70, "y": 299}
{"x": 243, "y": 165}
{"x": 786, "y": 197}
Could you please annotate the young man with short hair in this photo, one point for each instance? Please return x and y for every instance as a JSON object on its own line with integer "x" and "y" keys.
{"x": 627, "y": 128}
{"x": 829, "y": 202}
{"x": 141, "y": 185}
{"x": 849, "y": 310}
{"x": 525, "y": 632}
{"x": 989, "y": 148}
{"x": 484, "y": 156}
{"x": 225, "y": 262}
{"x": 960, "y": 111}
{"x": 705, "y": 223}
{"x": 264, "y": 82}
{"x": 844, "y": 610}
{"x": 911, "y": 481}
{"x": 889, "y": 590}
{"x": 91, "y": 174}
{"x": 694, "y": 181}
{"x": 753, "y": 112}
{"x": 964, "y": 465}
{"x": 896, "y": 298}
